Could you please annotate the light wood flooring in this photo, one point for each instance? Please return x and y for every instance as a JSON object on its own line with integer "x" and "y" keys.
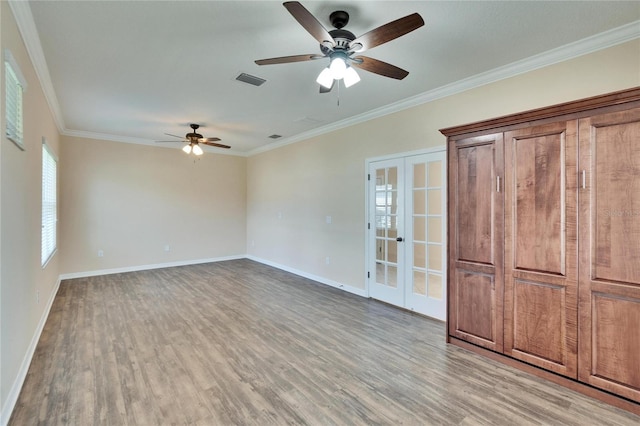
{"x": 241, "y": 343}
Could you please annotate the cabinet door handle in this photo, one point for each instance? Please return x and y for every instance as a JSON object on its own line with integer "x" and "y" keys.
{"x": 584, "y": 179}
{"x": 497, "y": 183}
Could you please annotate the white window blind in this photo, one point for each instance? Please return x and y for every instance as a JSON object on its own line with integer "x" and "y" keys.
{"x": 15, "y": 85}
{"x": 49, "y": 203}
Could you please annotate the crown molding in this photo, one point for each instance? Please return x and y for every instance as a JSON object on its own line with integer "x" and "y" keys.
{"x": 137, "y": 141}
{"x": 106, "y": 137}
{"x": 27, "y": 27}
{"x": 631, "y": 31}
{"x": 582, "y": 47}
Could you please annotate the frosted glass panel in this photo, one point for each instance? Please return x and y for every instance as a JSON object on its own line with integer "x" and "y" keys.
{"x": 380, "y": 250}
{"x": 435, "y": 257}
{"x": 392, "y": 178}
{"x": 419, "y": 282}
{"x": 434, "y": 201}
{"x": 435, "y": 286}
{"x": 418, "y": 201}
{"x": 392, "y": 276}
{"x": 393, "y": 225}
{"x": 435, "y": 173}
{"x": 435, "y": 229}
{"x": 419, "y": 176}
{"x": 419, "y": 233}
{"x": 419, "y": 255}
{"x": 392, "y": 247}
{"x": 392, "y": 201}
{"x": 380, "y": 277}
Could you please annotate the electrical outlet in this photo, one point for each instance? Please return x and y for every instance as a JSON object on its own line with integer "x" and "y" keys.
{"x": 167, "y": 247}
{"x": 327, "y": 260}
{"x": 328, "y": 220}
{"x": 280, "y": 215}
{"x": 100, "y": 253}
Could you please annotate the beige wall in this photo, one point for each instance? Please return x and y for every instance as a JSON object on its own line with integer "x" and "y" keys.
{"x": 130, "y": 201}
{"x": 325, "y": 175}
{"x": 21, "y": 276}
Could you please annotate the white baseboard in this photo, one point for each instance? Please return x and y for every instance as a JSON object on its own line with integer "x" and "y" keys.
{"x": 355, "y": 290}
{"x": 85, "y": 274}
{"x": 12, "y": 398}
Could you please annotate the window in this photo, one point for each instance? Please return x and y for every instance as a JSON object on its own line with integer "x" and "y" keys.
{"x": 49, "y": 203}
{"x": 15, "y": 85}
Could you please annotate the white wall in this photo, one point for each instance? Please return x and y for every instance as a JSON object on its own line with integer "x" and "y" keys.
{"x": 22, "y": 276}
{"x": 325, "y": 175}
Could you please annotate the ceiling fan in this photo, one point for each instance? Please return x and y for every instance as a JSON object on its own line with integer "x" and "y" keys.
{"x": 340, "y": 46}
{"x": 194, "y": 140}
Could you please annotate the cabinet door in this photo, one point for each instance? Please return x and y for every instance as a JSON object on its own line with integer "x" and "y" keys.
{"x": 609, "y": 262}
{"x": 541, "y": 301}
{"x": 475, "y": 241}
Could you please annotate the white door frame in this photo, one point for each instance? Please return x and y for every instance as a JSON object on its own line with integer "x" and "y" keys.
{"x": 368, "y": 161}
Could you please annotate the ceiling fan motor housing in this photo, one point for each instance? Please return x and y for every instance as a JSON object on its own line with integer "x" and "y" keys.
{"x": 339, "y": 19}
{"x": 194, "y": 136}
{"x": 342, "y": 39}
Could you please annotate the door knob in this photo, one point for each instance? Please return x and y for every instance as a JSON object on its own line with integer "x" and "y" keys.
{"x": 399, "y": 239}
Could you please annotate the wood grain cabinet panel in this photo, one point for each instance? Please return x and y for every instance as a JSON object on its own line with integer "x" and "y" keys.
{"x": 475, "y": 254}
{"x": 475, "y": 316}
{"x": 540, "y": 246}
{"x": 474, "y": 198}
{"x": 539, "y": 322}
{"x": 544, "y": 241}
{"x": 609, "y": 307}
{"x": 615, "y": 339}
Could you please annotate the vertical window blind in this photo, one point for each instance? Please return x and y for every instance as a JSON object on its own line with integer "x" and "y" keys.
{"x": 13, "y": 105}
{"x": 49, "y": 203}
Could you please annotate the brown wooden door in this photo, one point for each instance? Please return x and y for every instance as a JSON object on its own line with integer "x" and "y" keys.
{"x": 475, "y": 240}
{"x": 541, "y": 301}
{"x": 609, "y": 262}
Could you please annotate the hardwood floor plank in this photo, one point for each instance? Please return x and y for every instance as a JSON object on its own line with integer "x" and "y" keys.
{"x": 242, "y": 343}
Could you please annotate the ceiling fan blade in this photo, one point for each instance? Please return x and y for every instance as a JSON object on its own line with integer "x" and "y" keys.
{"x": 170, "y": 141}
{"x": 389, "y": 31}
{"x": 309, "y": 22}
{"x": 379, "y": 67}
{"x": 325, "y": 90}
{"x": 217, "y": 145}
{"x": 288, "y": 59}
{"x": 203, "y": 140}
{"x": 175, "y": 136}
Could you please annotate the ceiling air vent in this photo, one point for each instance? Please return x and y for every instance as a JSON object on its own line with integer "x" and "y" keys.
{"x": 275, "y": 136}
{"x": 250, "y": 79}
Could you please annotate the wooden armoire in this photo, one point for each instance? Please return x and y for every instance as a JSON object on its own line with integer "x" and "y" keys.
{"x": 544, "y": 243}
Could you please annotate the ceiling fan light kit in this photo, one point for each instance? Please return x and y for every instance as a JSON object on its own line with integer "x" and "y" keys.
{"x": 197, "y": 150}
{"x": 351, "y": 77}
{"x": 325, "y": 78}
{"x": 194, "y": 139}
{"x": 339, "y": 45}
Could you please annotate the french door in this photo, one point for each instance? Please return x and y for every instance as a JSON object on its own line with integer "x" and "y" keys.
{"x": 406, "y": 223}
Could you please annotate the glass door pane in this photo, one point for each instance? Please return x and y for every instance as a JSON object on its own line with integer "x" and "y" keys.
{"x": 386, "y": 209}
{"x": 426, "y": 255}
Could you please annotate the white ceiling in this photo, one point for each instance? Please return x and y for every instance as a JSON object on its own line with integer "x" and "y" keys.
{"x": 133, "y": 70}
